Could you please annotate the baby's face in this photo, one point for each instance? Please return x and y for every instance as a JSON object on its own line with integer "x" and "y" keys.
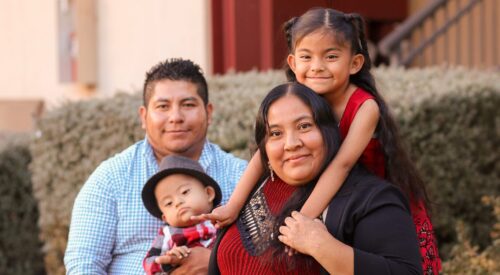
{"x": 181, "y": 196}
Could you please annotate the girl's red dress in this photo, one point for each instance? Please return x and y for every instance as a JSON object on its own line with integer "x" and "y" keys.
{"x": 373, "y": 159}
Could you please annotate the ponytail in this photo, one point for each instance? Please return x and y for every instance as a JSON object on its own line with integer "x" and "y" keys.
{"x": 288, "y": 28}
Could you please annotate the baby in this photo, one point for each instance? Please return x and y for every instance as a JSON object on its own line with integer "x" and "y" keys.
{"x": 179, "y": 190}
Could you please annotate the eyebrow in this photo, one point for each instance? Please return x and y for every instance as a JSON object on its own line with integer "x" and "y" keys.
{"x": 327, "y": 50}
{"x": 166, "y": 99}
{"x": 162, "y": 200}
{"x": 295, "y": 121}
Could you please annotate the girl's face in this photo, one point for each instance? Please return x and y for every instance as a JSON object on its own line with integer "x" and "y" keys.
{"x": 324, "y": 65}
{"x": 294, "y": 145}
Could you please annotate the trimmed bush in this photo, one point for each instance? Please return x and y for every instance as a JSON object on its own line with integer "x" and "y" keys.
{"x": 451, "y": 124}
{"x": 446, "y": 115}
{"x": 236, "y": 99}
{"x": 72, "y": 140}
{"x": 20, "y": 249}
{"x": 466, "y": 258}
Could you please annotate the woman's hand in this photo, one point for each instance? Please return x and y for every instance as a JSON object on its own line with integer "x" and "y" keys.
{"x": 221, "y": 216}
{"x": 302, "y": 233}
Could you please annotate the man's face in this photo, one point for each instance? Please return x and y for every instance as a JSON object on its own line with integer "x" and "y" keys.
{"x": 176, "y": 119}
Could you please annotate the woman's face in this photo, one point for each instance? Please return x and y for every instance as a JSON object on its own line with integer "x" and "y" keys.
{"x": 294, "y": 143}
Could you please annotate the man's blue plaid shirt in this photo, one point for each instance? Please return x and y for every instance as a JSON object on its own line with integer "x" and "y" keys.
{"x": 111, "y": 231}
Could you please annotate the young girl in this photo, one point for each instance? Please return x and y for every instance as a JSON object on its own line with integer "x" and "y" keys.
{"x": 329, "y": 54}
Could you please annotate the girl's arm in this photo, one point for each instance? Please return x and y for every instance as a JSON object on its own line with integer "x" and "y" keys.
{"x": 361, "y": 131}
{"x": 226, "y": 214}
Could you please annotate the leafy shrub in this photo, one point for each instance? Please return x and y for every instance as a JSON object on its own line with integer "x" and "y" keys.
{"x": 466, "y": 258}
{"x": 72, "y": 140}
{"x": 20, "y": 249}
{"x": 450, "y": 120}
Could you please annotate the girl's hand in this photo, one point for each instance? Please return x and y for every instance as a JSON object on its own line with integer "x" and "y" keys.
{"x": 221, "y": 216}
{"x": 302, "y": 233}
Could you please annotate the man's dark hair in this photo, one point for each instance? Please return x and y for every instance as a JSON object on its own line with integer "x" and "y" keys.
{"x": 175, "y": 69}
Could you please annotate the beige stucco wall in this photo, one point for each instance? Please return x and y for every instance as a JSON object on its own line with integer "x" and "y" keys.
{"x": 131, "y": 37}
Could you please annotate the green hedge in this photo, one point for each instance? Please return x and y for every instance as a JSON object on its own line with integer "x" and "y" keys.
{"x": 450, "y": 120}
{"x": 20, "y": 249}
{"x": 468, "y": 259}
{"x": 72, "y": 140}
{"x": 447, "y": 116}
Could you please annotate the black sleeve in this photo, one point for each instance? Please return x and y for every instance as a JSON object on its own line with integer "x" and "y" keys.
{"x": 385, "y": 241}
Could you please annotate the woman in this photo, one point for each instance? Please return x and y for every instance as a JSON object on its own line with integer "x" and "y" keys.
{"x": 368, "y": 226}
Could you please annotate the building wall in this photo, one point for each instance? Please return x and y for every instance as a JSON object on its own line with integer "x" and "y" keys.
{"x": 472, "y": 42}
{"x": 131, "y": 37}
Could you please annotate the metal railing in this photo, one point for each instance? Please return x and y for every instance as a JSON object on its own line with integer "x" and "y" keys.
{"x": 415, "y": 37}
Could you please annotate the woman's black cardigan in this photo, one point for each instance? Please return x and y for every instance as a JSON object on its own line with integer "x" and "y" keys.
{"x": 373, "y": 217}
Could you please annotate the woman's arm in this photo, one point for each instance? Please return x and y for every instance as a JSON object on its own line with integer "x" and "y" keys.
{"x": 359, "y": 135}
{"x": 226, "y": 214}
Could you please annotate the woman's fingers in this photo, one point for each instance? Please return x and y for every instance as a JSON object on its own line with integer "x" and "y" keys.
{"x": 298, "y": 232}
{"x": 284, "y": 239}
{"x": 289, "y": 221}
{"x": 298, "y": 216}
{"x": 284, "y": 230}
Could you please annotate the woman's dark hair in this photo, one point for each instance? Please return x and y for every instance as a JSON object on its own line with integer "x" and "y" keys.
{"x": 324, "y": 120}
{"x": 349, "y": 28}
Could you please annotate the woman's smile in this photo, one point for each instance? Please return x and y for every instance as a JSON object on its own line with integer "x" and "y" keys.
{"x": 297, "y": 158}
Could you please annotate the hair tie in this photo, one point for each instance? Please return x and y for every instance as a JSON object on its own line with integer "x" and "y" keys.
{"x": 288, "y": 27}
{"x": 354, "y": 20}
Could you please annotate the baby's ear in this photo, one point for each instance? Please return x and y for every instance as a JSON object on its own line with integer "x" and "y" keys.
{"x": 210, "y": 192}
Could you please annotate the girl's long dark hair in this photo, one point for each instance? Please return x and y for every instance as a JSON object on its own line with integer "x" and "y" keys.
{"x": 349, "y": 28}
{"x": 324, "y": 120}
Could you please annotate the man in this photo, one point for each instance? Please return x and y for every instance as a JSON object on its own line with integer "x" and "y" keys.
{"x": 111, "y": 230}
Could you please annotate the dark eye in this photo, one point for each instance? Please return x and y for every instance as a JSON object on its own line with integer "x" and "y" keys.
{"x": 190, "y": 105}
{"x": 304, "y": 57}
{"x": 185, "y": 192}
{"x": 332, "y": 56}
{"x": 305, "y": 126}
{"x": 275, "y": 133}
{"x": 162, "y": 106}
{"x": 168, "y": 203}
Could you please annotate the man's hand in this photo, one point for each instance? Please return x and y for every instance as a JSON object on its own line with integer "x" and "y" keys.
{"x": 221, "y": 216}
{"x": 196, "y": 263}
{"x": 174, "y": 256}
{"x": 168, "y": 259}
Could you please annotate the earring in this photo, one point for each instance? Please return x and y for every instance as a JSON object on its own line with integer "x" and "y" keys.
{"x": 271, "y": 171}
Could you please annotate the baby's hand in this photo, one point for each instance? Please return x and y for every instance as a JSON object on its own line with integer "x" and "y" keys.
{"x": 174, "y": 255}
{"x": 221, "y": 216}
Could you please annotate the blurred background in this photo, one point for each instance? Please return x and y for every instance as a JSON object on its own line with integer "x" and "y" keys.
{"x": 58, "y": 50}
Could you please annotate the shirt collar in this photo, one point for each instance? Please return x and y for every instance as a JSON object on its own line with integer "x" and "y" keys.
{"x": 205, "y": 160}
